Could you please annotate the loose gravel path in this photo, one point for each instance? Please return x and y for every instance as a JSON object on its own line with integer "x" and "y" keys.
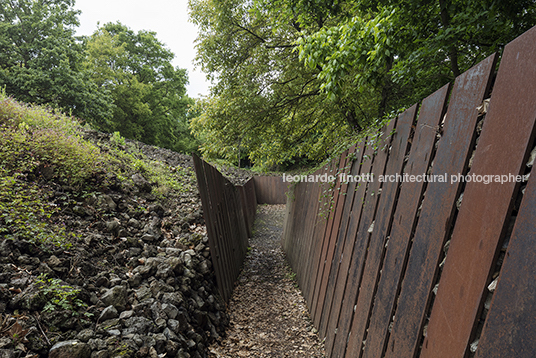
{"x": 268, "y": 314}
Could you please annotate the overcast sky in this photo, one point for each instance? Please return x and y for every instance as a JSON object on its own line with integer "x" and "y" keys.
{"x": 168, "y": 18}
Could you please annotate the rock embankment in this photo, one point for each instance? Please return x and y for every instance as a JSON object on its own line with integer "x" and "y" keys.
{"x": 138, "y": 281}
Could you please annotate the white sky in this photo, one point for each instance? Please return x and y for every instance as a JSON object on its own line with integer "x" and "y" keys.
{"x": 168, "y": 18}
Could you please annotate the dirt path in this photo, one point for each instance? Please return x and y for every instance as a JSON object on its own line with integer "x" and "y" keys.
{"x": 269, "y": 317}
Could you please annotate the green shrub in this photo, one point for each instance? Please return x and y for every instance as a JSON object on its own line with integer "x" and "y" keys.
{"x": 40, "y": 143}
{"x": 35, "y": 139}
{"x": 59, "y": 297}
{"x": 25, "y": 213}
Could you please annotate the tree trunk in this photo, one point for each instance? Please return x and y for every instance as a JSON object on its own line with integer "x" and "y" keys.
{"x": 453, "y": 51}
{"x": 385, "y": 89}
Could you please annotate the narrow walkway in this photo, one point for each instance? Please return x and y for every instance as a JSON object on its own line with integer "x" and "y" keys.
{"x": 269, "y": 317}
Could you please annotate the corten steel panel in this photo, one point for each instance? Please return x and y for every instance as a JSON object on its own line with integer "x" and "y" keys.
{"x": 209, "y": 220}
{"x": 346, "y": 253}
{"x": 270, "y": 190}
{"x": 300, "y": 241}
{"x": 300, "y": 235}
{"x": 291, "y": 234}
{"x": 289, "y": 220}
{"x": 249, "y": 203}
{"x": 376, "y": 248}
{"x": 244, "y": 205}
{"x": 237, "y": 238}
{"x": 307, "y": 205}
{"x": 297, "y": 237}
{"x": 353, "y": 171}
{"x": 290, "y": 223}
{"x": 233, "y": 225}
{"x": 511, "y": 322}
{"x": 219, "y": 244}
{"x": 337, "y": 210}
{"x": 328, "y": 246}
{"x": 214, "y": 184}
{"x": 216, "y": 191}
{"x": 359, "y": 251}
{"x": 404, "y": 219}
{"x": 321, "y": 221}
{"x": 226, "y": 224}
{"x": 438, "y": 206}
{"x": 314, "y": 222}
{"x": 505, "y": 142}
{"x": 318, "y": 227}
{"x": 298, "y": 245}
{"x": 321, "y": 225}
{"x": 287, "y": 239}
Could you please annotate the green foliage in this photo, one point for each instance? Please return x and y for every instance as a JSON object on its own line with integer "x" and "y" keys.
{"x": 59, "y": 296}
{"x": 353, "y": 56}
{"x": 40, "y": 61}
{"x": 266, "y": 105}
{"x": 37, "y": 145}
{"x": 148, "y": 93}
{"x": 404, "y": 50}
{"x": 36, "y": 142}
{"x": 115, "y": 80}
{"x": 294, "y": 78}
{"x": 25, "y": 213}
{"x": 40, "y": 141}
{"x": 167, "y": 179}
{"x": 117, "y": 139}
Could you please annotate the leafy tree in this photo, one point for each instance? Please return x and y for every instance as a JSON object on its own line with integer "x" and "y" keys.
{"x": 149, "y": 94}
{"x": 296, "y": 77}
{"x": 40, "y": 59}
{"x": 407, "y": 49}
{"x": 266, "y": 104}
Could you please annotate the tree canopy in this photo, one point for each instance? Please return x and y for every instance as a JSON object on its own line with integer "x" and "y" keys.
{"x": 266, "y": 104}
{"x": 115, "y": 80}
{"x": 296, "y": 78}
{"x": 149, "y": 94}
{"x": 40, "y": 59}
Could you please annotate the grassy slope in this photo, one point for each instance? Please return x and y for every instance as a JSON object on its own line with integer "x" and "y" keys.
{"x": 41, "y": 148}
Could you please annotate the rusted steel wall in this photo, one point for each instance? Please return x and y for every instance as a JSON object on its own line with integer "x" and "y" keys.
{"x": 248, "y": 198}
{"x": 401, "y": 267}
{"x": 270, "y": 189}
{"x": 229, "y": 213}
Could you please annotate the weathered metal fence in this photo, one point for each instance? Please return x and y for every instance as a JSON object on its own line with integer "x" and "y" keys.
{"x": 229, "y": 213}
{"x": 400, "y": 264}
{"x": 270, "y": 189}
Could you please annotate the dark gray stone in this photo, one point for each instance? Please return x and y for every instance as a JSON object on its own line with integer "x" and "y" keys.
{"x": 108, "y": 313}
{"x": 70, "y": 349}
{"x": 116, "y": 296}
{"x": 85, "y": 335}
{"x": 141, "y": 183}
{"x": 138, "y": 325}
